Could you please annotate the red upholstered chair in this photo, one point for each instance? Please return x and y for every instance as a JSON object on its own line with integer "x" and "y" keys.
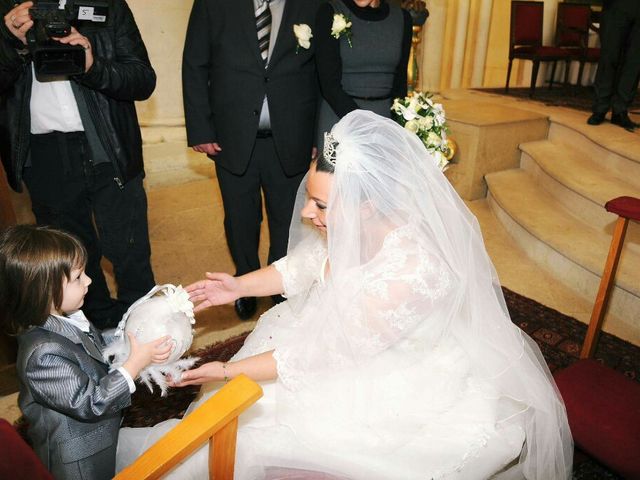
{"x": 572, "y": 32}
{"x": 525, "y": 41}
{"x": 17, "y": 460}
{"x": 603, "y": 405}
{"x": 590, "y": 54}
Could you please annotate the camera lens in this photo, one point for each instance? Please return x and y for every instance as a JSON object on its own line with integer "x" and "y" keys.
{"x": 57, "y": 28}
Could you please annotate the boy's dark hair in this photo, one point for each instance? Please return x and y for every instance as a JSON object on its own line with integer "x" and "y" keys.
{"x": 33, "y": 262}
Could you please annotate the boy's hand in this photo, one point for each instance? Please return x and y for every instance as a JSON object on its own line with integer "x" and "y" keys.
{"x": 143, "y": 354}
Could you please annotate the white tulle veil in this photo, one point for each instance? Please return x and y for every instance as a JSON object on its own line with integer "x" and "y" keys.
{"x": 385, "y": 181}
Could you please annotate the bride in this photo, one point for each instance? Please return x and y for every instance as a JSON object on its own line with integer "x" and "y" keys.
{"x": 394, "y": 356}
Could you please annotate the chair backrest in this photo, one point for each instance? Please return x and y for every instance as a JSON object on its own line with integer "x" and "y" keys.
{"x": 526, "y": 23}
{"x": 572, "y": 25}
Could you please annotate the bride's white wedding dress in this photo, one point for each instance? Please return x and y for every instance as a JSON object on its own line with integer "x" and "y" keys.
{"x": 395, "y": 353}
{"x": 425, "y": 420}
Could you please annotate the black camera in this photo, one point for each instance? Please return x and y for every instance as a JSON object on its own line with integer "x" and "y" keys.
{"x": 54, "y": 18}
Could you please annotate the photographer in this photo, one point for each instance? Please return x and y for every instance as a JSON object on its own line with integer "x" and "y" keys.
{"x": 75, "y": 142}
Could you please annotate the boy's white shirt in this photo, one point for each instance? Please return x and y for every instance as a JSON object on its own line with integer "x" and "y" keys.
{"x": 79, "y": 320}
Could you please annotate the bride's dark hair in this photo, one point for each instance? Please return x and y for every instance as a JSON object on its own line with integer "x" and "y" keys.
{"x": 323, "y": 165}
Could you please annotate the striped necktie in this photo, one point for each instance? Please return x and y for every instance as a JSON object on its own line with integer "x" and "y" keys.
{"x": 263, "y": 26}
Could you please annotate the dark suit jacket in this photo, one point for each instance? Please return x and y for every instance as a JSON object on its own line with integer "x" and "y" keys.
{"x": 224, "y": 82}
{"x": 71, "y": 402}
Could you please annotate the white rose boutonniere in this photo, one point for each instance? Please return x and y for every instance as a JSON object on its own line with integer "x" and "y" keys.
{"x": 341, "y": 27}
{"x": 303, "y": 34}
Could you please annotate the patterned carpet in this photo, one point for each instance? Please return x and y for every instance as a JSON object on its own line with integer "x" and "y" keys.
{"x": 559, "y": 337}
{"x": 572, "y": 96}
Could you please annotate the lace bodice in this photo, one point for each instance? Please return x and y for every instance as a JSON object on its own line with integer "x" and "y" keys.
{"x": 395, "y": 292}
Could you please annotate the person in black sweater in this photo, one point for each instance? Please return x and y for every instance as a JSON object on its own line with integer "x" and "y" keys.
{"x": 619, "y": 67}
{"x": 366, "y": 67}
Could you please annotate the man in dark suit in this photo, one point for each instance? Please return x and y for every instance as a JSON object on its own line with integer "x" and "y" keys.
{"x": 616, "y": 81}
{"x": 250, "y": 96}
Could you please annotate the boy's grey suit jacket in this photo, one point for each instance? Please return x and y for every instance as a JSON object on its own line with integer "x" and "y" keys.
{"x": 71, "y": 402}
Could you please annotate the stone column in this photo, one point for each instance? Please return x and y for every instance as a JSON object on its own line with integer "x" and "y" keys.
{"x": 163, "y": 24}
{"x": 462, "y": 21}
{"x": 167, "y": 159}
{"x": 482, "y": 41}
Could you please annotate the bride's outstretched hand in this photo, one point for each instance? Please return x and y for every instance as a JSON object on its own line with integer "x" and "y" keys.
{"x": 215, "y": 289}
{"x": 209, "y": 372}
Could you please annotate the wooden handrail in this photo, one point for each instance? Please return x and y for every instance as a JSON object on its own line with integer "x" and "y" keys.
{"x": 216, "y": 421}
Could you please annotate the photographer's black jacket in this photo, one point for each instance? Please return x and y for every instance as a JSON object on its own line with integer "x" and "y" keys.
{"x": 121, "y": 74}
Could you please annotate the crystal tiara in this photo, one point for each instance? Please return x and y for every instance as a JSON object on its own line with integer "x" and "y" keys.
{"x": 329, "y": 151}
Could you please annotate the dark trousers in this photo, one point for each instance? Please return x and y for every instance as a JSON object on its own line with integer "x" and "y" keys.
{"x": 616, "y": 80}
{"x": 70, "y": 192}
{"x": 242, "y": 201}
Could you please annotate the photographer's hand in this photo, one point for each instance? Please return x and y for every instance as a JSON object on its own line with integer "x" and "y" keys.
{"x": 76, "y": 38}
{"x": 18, "y": 21}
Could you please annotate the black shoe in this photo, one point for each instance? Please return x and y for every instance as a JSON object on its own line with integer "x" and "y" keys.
{"x": 623, "y": 120}
{"x": 596, "y": 118}
{"x": 246, "y": 307}
{"x": 277, "y": 299}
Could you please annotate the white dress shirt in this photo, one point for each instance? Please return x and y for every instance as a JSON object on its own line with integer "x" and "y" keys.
{"x": 53, "y": 107}
{"x": 277, "y": 7}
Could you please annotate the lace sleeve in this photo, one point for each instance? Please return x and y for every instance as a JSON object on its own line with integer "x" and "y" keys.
{"x": 301, "y": 267}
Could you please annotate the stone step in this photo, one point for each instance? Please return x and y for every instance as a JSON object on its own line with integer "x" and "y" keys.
{"x": 579, "y": 183}
{"x": 611, "y": 138}
{"x": 572, "y": 250}
{"x": 620, "y": 157}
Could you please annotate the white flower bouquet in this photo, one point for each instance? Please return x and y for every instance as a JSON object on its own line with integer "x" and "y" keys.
{"x": 420, "y": 115}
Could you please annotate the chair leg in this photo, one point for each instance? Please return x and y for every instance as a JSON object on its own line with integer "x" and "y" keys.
{"x": 534, "y": 77}
{"x": 222, "y": 452}
{"x": 606, "y": 283}
{"x": 580, "y": 73}
{"x": 567, "y": 66}
{"x": 553, "y": 74}
{"x": 506, "y": 87}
